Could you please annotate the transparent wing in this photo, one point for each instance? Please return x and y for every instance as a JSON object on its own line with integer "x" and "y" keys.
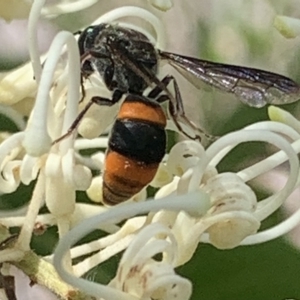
{"x": 253, "y": 87}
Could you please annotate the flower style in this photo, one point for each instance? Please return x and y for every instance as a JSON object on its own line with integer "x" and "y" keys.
{"x": 231, "y": 218}
{"x": 194, "y": 203}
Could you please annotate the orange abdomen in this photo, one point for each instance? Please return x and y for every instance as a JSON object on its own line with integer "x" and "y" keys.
{"x": 136, "y": 147}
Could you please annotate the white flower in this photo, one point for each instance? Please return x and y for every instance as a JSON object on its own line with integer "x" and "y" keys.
{"x": 231, "y": 218}
{"x": 29, "y": 155}
{"x": 17, "y": 85}
{"x": 144, "y": 277}
{"x": 195, "y": 202}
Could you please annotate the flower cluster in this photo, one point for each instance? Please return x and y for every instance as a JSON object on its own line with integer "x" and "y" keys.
{"x": 194, "y": 202}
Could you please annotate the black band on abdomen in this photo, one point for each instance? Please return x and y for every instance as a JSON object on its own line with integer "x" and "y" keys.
{"x": 145, "y": 142}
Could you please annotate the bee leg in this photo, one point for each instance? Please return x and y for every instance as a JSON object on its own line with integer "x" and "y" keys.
{"x": 83, "y": 94}
{"x": 94, "y": 100}
{"x": 77, "y": 32}
{"x": 158, "y": 89}
{"x": 179, "y": 113}
{"x": 174, "y": 115}
{"x": 176, "y": 108}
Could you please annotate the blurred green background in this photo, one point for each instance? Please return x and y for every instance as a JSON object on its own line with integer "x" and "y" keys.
{"x": 236, "y": 32}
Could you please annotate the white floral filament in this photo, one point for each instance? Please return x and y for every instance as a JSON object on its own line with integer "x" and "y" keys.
{"x": 196, "y": 203}
{"x": 133, "y": 11}
{"x": 37, "y": 140}
{"x": 67, "y": 7}
{"x": 32, "y": 37}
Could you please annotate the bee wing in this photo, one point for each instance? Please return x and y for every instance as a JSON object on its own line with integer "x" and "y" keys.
{"x": 253, "y": 87}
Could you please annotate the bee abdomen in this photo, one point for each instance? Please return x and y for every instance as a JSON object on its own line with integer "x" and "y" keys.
{"x": 124, "y": 177}
{"x": 136, "y": 147}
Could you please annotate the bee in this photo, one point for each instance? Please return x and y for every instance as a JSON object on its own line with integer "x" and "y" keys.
{"x": 128, "y": 63}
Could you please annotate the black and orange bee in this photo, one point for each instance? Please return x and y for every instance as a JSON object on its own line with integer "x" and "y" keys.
{"x": 137, "y": 145}
{"x": 128, "y": 63}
